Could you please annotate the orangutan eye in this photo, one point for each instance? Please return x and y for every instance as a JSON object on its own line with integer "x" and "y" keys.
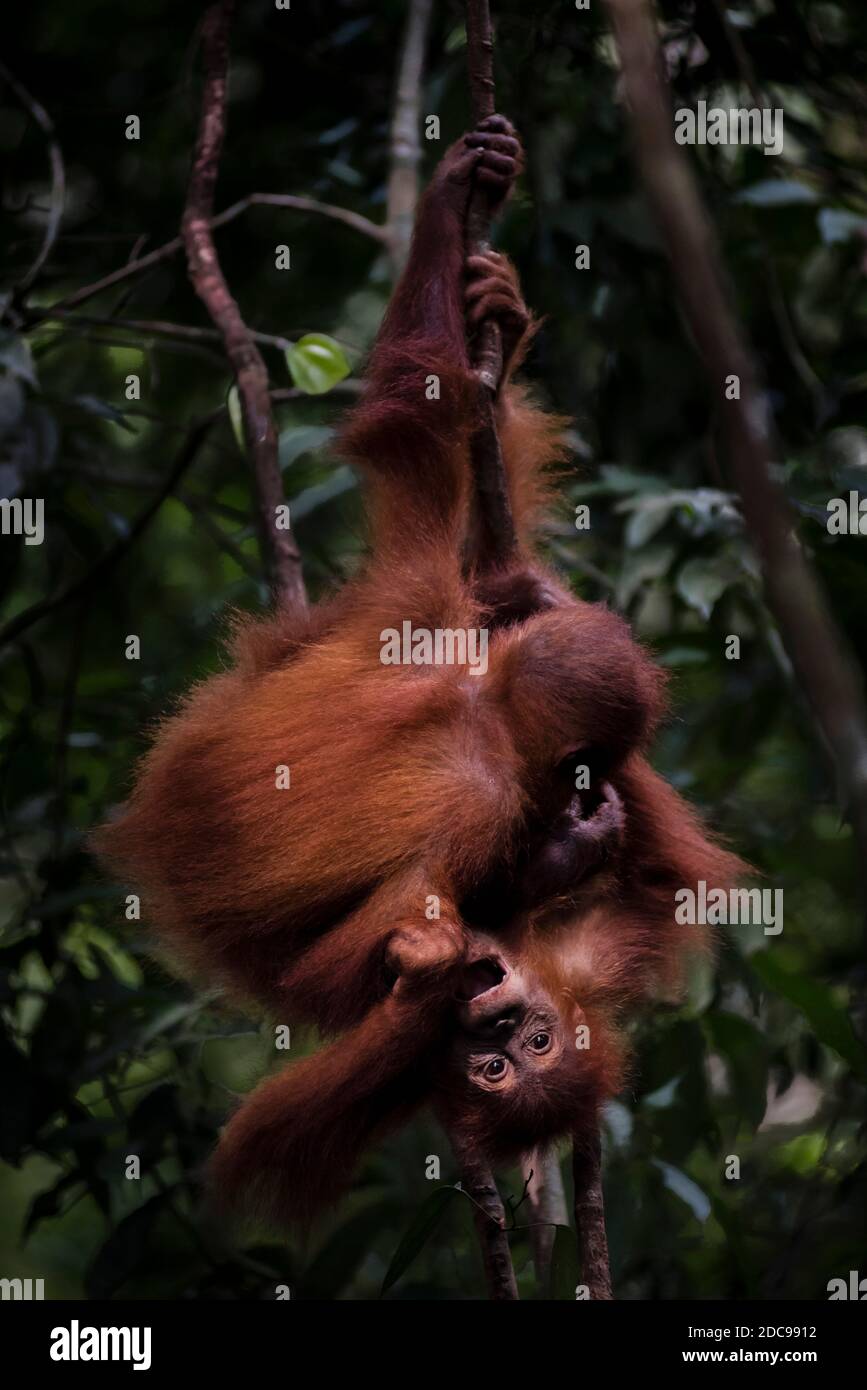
{"x": 540, "y": 1042}
{"x": 495, "y": 1069}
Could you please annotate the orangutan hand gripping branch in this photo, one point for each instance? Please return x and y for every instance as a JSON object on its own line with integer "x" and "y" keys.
{"x": 469, "y": 870}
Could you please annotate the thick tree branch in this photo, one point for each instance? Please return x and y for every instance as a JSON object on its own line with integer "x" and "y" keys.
{"x": 813, "y": 641}
{"x": 405, "y": 138}
{"x": 282, "y": 561}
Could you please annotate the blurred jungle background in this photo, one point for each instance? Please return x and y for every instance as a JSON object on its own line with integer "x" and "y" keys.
{"x": 104, "y": 1054}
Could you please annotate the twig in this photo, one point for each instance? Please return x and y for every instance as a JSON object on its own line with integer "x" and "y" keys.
{"x": 171, "y": 248}
{"x": 200, "y": 511}
{"x": 405, "y": 140}
{"x": 112, "y": 557}
{"x": 493, "y": 537}
{"x": 158, "y": 328}
{"x": 282, "y": 561}
{"x": 98, "y": 333}
{"x": 58, "y": 176}
{"x": 350, "y": 385}
{"x": 815, "y": 645}
{"x": 590, "y": 1214}
{"x": 548, "y": 1206}
{"x": 355, "y": 220}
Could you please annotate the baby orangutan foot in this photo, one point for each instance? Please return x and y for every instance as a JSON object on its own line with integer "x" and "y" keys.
{"x": 493, "y": 292}
{"x": 416, "y": 953}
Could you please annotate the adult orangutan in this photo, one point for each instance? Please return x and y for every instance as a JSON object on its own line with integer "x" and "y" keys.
{"x": 467, "y": 868}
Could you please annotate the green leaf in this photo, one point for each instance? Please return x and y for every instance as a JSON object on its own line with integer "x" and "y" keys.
{"x": 15, "y": 358}
{"x": 11, "y": 403}
{"x": 336, "y": 1262}
{"x": 124, "y": 1251}
{"x": 418, "y": 1233}
{"x": 155, "y": 1123}
{"x": 316, "y": 363}
{"x": 236, "y": 1063}
{"x": 48, "y": 1204}
{"x": 341, "y": 480}
{"x": 640, "y": 567}
{"x": 803, "y": 1154}
{"x": 683, "y": 1187}
{"x": 701, "y": 582}
{"x": 739, "y": 1247}
{"x": 565, "y": 1265}
{"x": 619, "y": 479}
{"x": 236, "y": 416}
{"x": 838, "y": 224}
{"x": 746, "y": 1056}
{"x": 301, "y": 439}
{"x": 775, "y": 193}
{"x": 104, "y": 409}
{"x": 683, "y": 656}
{"x": 828, "y": 1019}
{"x": 647, "y": 517}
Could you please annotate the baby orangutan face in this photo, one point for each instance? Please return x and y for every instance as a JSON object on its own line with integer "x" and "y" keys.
{"x": 513, "y": 1077}
{"x": 509, "y": 1026}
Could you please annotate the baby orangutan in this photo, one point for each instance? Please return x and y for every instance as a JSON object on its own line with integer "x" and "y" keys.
{"x": 470, "y": 872}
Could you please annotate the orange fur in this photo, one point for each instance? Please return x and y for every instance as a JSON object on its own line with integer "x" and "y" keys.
{"x": 407, "y": 782}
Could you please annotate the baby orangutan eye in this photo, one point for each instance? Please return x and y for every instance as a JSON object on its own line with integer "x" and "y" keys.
{"x": 496, "y": 1069}
{"x": 540, "y": 1042}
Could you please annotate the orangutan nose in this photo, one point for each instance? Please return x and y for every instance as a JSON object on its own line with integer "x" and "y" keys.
{"x": 501, "y": 1024}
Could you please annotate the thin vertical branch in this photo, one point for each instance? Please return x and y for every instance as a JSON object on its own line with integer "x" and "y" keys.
{"x": 281, "y": 558}
{"x": 405, "y": 137}
{"x": 490, "y": 1220}
{"x": 480, "y": 70}
{"x": 815, "y": 645}
{"x": 590, "y": 1214}
{"x": 494, "y": 535}
{"x": 477, "y": 1180}
{"x": 494, "y": 538}
{"x": 547, "y": 1205}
